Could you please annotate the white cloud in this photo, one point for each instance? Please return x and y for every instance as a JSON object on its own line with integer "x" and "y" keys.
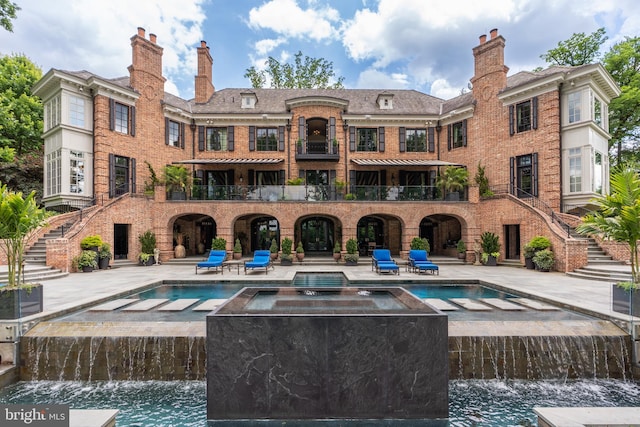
{"x": 443, "y": 89}
{"x": 264, "y": 47}
{"x": 287, "y": 18}
{"x": 90, "y": 35}
{"x": 372, "y": 78}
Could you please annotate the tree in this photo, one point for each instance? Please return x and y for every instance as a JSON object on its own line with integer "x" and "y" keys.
{"x": 7, "y": 13}
{"x": 19, "y": 217}
{"x": 579, "y": 49}
{"x": 20, "y": 112}
{"x": 307, "y": 73}
{"x": 623, "y": 63}
{"x": 617, "y": 217}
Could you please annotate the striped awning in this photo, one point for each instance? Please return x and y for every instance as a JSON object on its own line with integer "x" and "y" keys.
{"x": 401, "y": 162}
{"x": 229, "y": 161}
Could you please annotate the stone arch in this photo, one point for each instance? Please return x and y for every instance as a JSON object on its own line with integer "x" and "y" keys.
{"x": 443, "y": 232}
{"x": 380, "y": 230}
{"x": 318, "y": 233}
{"x": 197, "y": 229}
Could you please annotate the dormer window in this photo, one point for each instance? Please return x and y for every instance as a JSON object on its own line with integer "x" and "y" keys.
{"x": 385, "y": 101}
{"x": 249, "y": 100}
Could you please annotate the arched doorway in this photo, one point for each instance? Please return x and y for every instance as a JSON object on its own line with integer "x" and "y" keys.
{"x": 263, "y": 230}
{"x": 197, "y": 232}
{"x": 442, "y": 232}
{"x": 370, "y": 234}
{"x": 317, "y": 235}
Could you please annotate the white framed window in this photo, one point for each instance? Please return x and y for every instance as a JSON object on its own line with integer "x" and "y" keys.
{"x": 174, "y": 133}
{"x": 52, "y": 113}
{"x": 575, "y": 170}
{"x": 574, "y": 101}
{"x": 76, "y": 172}
{"x": 598, "y": 172}
{"x": 54, "y": 173}
{"x": 597, "y": 111}
{"x": 76, "y": 111}
{"x": 216, "y": 139}
{"x": 121, "y": 118}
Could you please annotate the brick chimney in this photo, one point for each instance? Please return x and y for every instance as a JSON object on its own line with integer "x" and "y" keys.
{"x": 489, "y": 61}
{"x": 146, "y": 65}
{"x": 204, "y": 78}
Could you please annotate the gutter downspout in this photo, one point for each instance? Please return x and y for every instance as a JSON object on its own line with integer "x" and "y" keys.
{"x": 560, "y": 145}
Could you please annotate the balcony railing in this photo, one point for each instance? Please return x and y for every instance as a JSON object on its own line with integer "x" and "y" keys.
{"x": 318, "y": 150}
{"x": 318, "y": 193}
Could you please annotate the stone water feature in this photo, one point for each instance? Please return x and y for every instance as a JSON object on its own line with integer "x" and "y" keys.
{"x": 351, "y": 353}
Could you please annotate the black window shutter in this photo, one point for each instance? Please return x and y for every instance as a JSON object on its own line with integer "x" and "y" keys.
{"x": 402, "y": 139}
{"x": 281, "y": 176}
{"x": 352, "y": 181}
{"x": 166, "y": 131}
{"x": 252, "y": 138}
{"x": 381, "y": 139}
{"x": 449, "y": 136}
{"x": 352, "y": 138}
{"x": 230, "y": 177}
{"x": 383, "y": 177}
{"x": 200, "y": 177}
{"x": 182, "y": 135}
{"x": 301, "y": 173}
{"x": 112, "y": 114}
{"x": 201, "y": 138}
{"x": 251, "y": 177}
{"x": 332, "y": 175}
{"x": 133, "y": 175}
{"x": 534, "y": 112}
{"x": 464, "y": 133}
{"x": 230, "y": 141}
{"x": 534, "y": 173}
{"x": 132, "y": 110}
{"x": 332, "y": 128}
{"x": 402, "y": 177}
{"x": 512, "y": 175}
{"x": 431, "y": 140}
{"x": 301, "y": 128}
{"x": 511, "y": 120}
{"x": 281, "y": 138}
{"x": 112, "y": 174}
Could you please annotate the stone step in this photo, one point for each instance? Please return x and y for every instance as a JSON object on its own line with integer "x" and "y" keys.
{"x": 604, "y": 276}
{"x": 36, "y": 273}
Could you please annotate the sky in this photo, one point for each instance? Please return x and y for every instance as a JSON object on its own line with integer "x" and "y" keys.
{"x": 425, "y": 45}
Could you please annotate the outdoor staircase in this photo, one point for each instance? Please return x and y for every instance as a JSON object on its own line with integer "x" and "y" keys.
{"x": 600, "y": 266}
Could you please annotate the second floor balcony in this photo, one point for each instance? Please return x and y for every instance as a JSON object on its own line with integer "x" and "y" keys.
{"x": 318, "y": 193}
{"x": 317, "y": 150}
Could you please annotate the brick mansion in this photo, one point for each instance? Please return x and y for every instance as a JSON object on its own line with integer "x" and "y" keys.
{"x": 321, "y": 166}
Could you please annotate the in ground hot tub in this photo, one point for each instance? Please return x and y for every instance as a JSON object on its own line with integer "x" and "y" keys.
{"x": 326, "y": 353}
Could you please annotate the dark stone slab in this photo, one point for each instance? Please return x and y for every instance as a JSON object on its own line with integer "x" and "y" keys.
{"x": 383, "y": 357}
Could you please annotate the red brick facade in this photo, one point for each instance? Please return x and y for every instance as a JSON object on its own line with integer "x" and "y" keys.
{"x": 343, "y": 114}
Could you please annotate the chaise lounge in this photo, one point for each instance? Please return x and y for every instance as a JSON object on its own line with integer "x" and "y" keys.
{"x": 215, "y": 261}
{"x": 381, "y": 261}
{"x": 261, "y": 259}
{"x": 418, "y": 262}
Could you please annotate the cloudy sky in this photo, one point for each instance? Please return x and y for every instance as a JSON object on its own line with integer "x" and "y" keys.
{"x": 409, "y": 44}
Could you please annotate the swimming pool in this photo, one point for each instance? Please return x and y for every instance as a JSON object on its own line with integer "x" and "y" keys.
{"x": 183, "y": 403}
{"x": 201, "y": 298}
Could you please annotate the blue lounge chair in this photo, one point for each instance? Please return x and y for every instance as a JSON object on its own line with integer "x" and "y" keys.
{"x": 381, "y": 261}
{"x": 261, "y": 259}
{"x": 419, "y": 262}
{"x": 215, "y": 261}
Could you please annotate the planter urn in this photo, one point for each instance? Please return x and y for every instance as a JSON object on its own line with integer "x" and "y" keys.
{"x": 20, "y": 302}
{"x": 625, "y": 301}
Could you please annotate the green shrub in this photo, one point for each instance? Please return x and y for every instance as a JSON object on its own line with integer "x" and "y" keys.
{"x": 286, "y": 246}
{"x": 461, "y": 247}
{"x": 237, "y": 248}
{"x": 147, "y": 242}
{"x": 544, "y": 259}
{"x": 88, "y": 242}
{"x": 104, "y": 251}
{"x": 86, "y": 258}
{"x": 420, "y": 243}
{"x": 274, "y": 246}
{"x": 490, "y": 243}
{"x": 219, "y": 244}
{"x": 539, "y": 243}
{"x": 299, "y": 248}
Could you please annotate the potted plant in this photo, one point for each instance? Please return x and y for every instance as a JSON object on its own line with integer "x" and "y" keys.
{"x": 104, "y": 255}
{"x": 334, "y": 143}
{"x": 299, "y": 252}
{"x": 340, "y": 185}
{"x": 179, "y": 251}
{"x": 452, "y": 180}
{"x": 352, "y": 256}
{"x": 490, "y": 248}
{"x": 537, "y": 243}
{"x": 92, "y": 243}
{"x": 273, "y": 249}
{"x": 624, "y": 299}
{"x": 350, "y": 196}
{"x": 287, "y": 258}
{"x": 177, "y": 181}
{"x": 483, "y": 182}
{"x": 237, "y": 250}
{"x": 462, "y": 249}
{"x": 299, "y": 146}
{"x": 337, "y": 249}
{"x": 543, "y": 260}
{"x": 147, "y": 245}
{"x": 86, "y": 261}
{"x": 420, "y": 243}
{"x": 19, "y": 218}
{"x": 219, "y": 244}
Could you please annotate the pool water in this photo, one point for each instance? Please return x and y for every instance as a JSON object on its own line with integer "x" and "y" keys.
{"x": 183, "y": 403}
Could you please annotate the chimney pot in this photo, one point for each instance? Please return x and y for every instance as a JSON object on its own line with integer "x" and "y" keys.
{"x": 494, "y": 33}
{"x": 203, "y": 43}
{"x": 141, "y": 31}
{"x": 152, "y": 37}
{"x": 483, "y": 38}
